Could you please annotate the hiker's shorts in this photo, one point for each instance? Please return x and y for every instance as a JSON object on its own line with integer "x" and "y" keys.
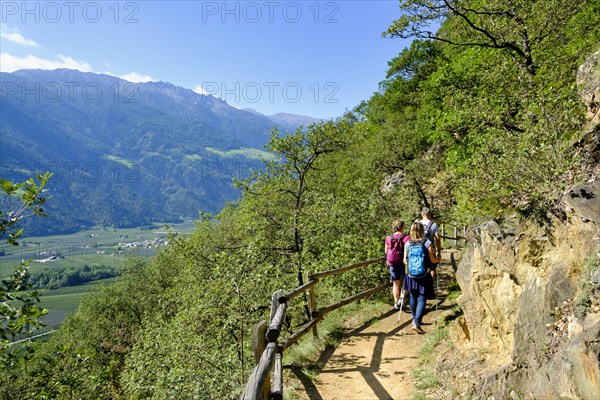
{"x": 396, "y": 272}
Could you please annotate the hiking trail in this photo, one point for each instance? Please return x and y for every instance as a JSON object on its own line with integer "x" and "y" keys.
{"x": 374, "y": 361}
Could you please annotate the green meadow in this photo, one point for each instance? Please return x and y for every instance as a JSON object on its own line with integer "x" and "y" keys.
{"x": 98, "y": 246}
{"x": 67, "y": 298}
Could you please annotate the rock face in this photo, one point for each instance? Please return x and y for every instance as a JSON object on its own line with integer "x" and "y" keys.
{"x": 513, "y": 278}
{"x": 518, "y": 282}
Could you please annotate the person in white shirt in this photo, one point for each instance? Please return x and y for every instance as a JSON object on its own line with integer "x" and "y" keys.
{"x": 432, "y": 233}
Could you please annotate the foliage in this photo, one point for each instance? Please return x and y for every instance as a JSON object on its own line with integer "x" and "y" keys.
{"x": 87, "y": 354}
{"x": 54, "y": 278}
{"x": 518, "y": 28}
{"x": 19, "y": 313}
{"x": 290, "y": 184}
{"x": 29, "y": 194}
{"x": 18, "y": 310}
{"x": 499, "y": 105}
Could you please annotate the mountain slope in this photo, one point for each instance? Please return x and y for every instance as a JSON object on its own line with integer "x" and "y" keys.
{"x": 287, "y": 121}
{"x": 123, "y": 153}
{"x": 292, "y": 121}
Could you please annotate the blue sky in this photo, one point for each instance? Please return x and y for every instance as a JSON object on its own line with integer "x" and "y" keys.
{"x": 316, "y": 58}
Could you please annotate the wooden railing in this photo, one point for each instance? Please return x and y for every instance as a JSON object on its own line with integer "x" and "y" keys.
{"x": 455, "y": 238}
{"x": 268, "y": 351}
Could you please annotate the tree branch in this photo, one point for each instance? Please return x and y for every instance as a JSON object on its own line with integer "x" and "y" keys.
{"x": 422, "y": 194}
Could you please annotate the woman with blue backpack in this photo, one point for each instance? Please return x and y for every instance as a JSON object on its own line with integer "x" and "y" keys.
{"x": 420, "y": 260}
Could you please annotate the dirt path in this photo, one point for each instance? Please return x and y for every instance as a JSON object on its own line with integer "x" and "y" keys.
{"x": 375, "y": 361}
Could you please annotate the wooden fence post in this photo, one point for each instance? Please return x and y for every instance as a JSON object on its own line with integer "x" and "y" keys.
{"x": 443, "y": 235}
{"x": 275, "y": 303}
{"x": 277, "y": 387}
{"x": 260, "y": 344}
{"x": 260, "y": 340}
{"x": 455, "y": 233}
{"x": 312, "y": 305}
{"x": 268, "y": 353}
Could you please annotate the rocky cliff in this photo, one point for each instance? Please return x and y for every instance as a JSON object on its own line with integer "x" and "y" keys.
{"x": 518, "y": 285}
{"x": 531, "y": 291}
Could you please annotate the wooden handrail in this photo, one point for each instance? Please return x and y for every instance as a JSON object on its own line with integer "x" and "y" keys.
{"x": 260, "y": 374}
{"x": 293, "y": 338}
{"x": 323, "y": 274}
{"x": 457, "y": 237}
{"x": 258, "y": 385}
{"x": 299, "y": 290}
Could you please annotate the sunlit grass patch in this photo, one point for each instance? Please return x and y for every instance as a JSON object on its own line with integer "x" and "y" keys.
{"x": 426, "y": 378}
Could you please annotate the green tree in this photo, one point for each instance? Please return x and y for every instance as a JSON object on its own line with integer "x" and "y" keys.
{"x": 287, "y": 182}
{"x": 29, "y": 200}
{"x": 501, "y": 105}
{"x": 19, "y": 312}
{"x": 518, "y": 27}
{"x": 86, "y": 356}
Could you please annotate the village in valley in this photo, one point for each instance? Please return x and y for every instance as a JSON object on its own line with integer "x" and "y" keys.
{"x": 92, "y": 245}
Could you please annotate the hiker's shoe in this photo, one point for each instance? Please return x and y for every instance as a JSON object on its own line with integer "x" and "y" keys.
{"x": 396, "y": 307}
{"x": 418, "y": 329}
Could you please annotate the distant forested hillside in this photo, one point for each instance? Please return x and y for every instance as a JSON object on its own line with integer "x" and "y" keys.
{"x": 124, "y": 154}
{"x": 475, "y": 120}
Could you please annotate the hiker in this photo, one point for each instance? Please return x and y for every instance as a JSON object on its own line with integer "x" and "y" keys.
{"x": 394, "y": 251}
{"x": 431, "y": 232}
{"x": 420, "y": 260}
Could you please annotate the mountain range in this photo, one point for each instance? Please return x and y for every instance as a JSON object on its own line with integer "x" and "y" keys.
{"x": 126, "y": 154}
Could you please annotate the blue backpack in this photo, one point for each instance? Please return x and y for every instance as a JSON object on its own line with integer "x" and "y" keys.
{"x": 418, "y": 259}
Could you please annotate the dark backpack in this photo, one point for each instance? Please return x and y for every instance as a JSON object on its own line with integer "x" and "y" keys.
{"x": 418, "y": 259}
{"x": 427, "y": 234}
{"x": 395, "y": 253}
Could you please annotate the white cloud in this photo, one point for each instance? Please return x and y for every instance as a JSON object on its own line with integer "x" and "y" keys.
{"x": 10, "y": 63}
{"x": 136, "y": 78}
{"x": 19, "y": 39}
{"x": 14, "y": 36}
